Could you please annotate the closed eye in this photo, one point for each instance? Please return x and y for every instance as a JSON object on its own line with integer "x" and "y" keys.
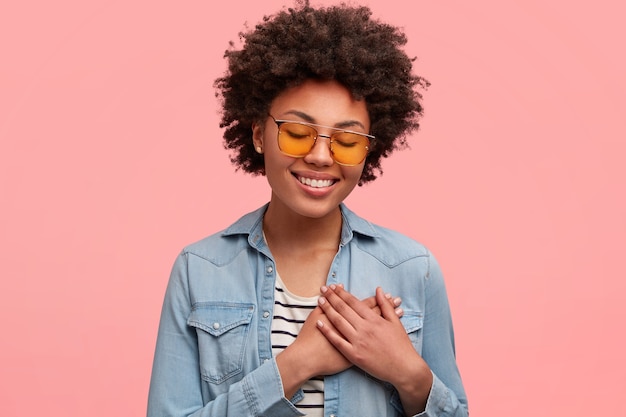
{"x": 345, "y": 144}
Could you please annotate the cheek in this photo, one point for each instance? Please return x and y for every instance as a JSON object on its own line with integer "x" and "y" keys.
{"x": 276, "y": 164}
{"x": 353, "y": 174}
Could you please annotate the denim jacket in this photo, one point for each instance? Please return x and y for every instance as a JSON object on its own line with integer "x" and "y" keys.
{"x": 213, "y": 353}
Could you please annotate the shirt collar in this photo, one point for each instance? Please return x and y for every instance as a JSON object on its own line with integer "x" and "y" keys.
{"x": 354, "y": 224}
{"x": 251, "y": 224}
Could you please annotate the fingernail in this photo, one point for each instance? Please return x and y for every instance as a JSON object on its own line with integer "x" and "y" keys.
{"x": 324, "y": 289}
{"x": 399, "y": 311}
{"x": 388, "y": 296}
{"x": 320, "y": 324}
{"x": 333, "y": 287}
{"x": 321, "y": 301}
{"x": 397, "y": 301}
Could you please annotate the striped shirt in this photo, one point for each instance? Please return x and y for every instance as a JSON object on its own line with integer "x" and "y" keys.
{"x": 290, "y": 313}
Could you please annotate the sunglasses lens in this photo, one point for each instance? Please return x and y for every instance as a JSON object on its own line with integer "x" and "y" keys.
{"x": 295, "y": 139}
{"x": 349, "y": 148}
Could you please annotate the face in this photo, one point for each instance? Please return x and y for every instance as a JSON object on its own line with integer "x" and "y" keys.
{"x": 312, "y": 186}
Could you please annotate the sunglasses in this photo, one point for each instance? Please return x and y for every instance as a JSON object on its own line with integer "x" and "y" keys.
{"x": 296, "y": 139}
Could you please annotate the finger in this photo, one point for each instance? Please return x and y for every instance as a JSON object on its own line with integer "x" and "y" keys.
{"x": 370, "y": 301}
{"x": 397, "y": 301}
{"x": 376, "y": 310}
{"x": 373, "y": 304}
{"x": 387, "y": 309}
{"x": 347, "y": 304}
{"x": 340, "y": 323}
{"x": 320, "y": 317}
{"x": 336, "y": 339}
{"x": 344, "y": 304}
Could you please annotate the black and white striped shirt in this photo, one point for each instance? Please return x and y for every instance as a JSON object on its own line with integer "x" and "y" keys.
{"x": 290, "y": 313}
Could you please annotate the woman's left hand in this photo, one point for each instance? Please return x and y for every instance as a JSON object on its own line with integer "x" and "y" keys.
{"x": 378, "y": 344}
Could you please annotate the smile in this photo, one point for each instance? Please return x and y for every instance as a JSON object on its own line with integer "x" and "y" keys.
{"x": 314, "y": 183}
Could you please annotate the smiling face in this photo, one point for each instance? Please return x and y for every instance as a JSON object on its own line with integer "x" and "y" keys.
{"x": 312, "y": 186}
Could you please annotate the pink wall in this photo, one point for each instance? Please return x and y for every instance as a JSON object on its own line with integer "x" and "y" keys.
{"x": 111, "y": 161}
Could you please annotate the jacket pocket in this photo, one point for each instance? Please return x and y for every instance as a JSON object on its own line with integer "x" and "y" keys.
{"x": 222, "y": 330}
{"x": 413, "y": 322}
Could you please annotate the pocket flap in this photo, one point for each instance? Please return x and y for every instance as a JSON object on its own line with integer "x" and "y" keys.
{"x": 412, "y": 321}
{"x": 218, "y": 318}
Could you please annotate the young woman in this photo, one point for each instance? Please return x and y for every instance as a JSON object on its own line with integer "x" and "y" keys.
{"x": 289, "y": 311}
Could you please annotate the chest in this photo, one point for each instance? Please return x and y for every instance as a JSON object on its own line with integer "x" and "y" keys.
{"x": 304, "y": 272}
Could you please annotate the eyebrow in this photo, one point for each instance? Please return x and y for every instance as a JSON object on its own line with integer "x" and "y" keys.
{"x": 341, "y": 125}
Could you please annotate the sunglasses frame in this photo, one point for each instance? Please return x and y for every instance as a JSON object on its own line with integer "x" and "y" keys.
{"x": 280, "y": 122}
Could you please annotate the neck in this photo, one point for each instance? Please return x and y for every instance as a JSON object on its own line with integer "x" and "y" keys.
{"x": 283, "y": 226}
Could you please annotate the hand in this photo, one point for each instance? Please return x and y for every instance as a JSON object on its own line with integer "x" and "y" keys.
{"x": 321, "y": 357}
{"x": 373, "y": 304}
{"x": 378, "y": 344}
{"x": 312, "y": 354}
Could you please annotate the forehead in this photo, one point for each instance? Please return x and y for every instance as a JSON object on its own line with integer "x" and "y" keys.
{"x": 322, "y": 102}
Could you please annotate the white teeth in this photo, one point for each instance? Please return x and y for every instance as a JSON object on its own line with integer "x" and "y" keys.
{"x": 316, "y": 183}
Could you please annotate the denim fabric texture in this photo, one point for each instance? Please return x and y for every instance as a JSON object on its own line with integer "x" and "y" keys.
{"x": 213, "y": 352}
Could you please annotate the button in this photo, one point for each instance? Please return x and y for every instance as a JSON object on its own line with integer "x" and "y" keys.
{"x": 266, "y": 314}
{"x": 270, "y": 269}
{"x": 216, "y": 325}
{"x": 334, "y": 274}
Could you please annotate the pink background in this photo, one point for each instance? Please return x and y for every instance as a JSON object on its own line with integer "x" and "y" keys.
{"x": 111, "y": 160}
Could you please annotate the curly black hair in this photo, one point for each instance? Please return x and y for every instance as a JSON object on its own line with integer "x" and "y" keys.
{"x": 341, "y": 43}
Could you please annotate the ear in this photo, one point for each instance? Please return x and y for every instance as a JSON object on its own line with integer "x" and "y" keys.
{"x": 257, "y": 135}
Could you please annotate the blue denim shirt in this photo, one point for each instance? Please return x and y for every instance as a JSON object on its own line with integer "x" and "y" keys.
{"x": 213, "y": 354}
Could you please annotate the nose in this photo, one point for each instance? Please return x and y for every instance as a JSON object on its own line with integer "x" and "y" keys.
{"x": 320, "y": 154}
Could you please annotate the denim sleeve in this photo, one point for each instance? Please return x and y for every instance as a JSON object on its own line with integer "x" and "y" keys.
{"x": 176, "y": 384}
{"x": 447, "y": 396}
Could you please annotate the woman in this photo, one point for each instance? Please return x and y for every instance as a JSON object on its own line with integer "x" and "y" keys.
{"x": 284, "y": 312}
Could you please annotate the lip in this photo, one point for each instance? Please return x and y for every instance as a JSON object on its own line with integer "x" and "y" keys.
{"x": 315, "y": 176}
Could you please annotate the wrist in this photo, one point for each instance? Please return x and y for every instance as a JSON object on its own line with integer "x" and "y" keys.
{"x": 414, "y": 386}
{"x": 293, "y": 371}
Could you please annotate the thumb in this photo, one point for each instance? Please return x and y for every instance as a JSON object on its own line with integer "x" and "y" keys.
{"x": 387, "y": 310}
